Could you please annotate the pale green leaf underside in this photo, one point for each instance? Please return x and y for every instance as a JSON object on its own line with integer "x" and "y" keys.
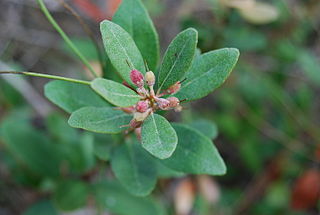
{"x": 115, "y": 93}
{"x": 208, "y": 72}
{"x": 72, "y": 96}
{"x": 195, "y": 153}
{"x": 120, "y": 48}
{"x": 100, "y": 120}
{"x": 178, "y": 58}
{"x": 134, "y": 18}
{"x": 158, "y": 136}
{"x": 134, "y": 168}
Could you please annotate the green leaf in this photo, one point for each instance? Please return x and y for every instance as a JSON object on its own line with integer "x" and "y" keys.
{"x": 112, "y": 196}
{"x": 30, "y": 147}
{"x": 206, "y": 127}
{"x": 72, "y": 96}
{"x": 120, "y": 48}
{"x": 165, "y": 172}
{"x": 100, "y": 120}
{"x": 207, "y": 73}
{"x": 134, "y": 168}
{"x": 178, "y": 58}
{"x": 158, "y": 136}
{"x": 195, "y": 154}
{"x": 70, "y": 195}
{"x": 41, "y": 207}
{"x": 114, "y": 92}
{"x": 134, "y": 18}
{"x": 103, "y": 145}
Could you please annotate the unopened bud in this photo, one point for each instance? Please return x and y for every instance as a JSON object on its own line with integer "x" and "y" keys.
{"x": 137, "y": 78}
{"x": 150, "y": 78}
{"x": 174, "y": 88}
{"x": 142, "y": 106}
{"x": 174, "y": 102}
{"x": 141, "y": 116}
{"x": 163, "y": 104}
{"x": 134, "y": 123}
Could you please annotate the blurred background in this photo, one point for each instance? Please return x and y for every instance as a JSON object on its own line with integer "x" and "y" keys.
{"x": 266, "y": 114}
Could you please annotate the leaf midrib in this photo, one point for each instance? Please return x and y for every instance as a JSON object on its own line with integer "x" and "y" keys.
{"x": 174, "y": 64}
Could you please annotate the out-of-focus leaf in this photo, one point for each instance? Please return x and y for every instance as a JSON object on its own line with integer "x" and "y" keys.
{"x": 207, "y": 73}
{"x": 72, "y": 96}
{"x": 114, "y": 198}
{"x": 178, "y": 58}
{"x": 195, "y": 153}
{"x": 41, "y": 207}
{"x": 103, "y": 145}
{"x": 158, "y": 136}
{"x": 206, "y": 127}
{"x": 30, "y": 147}
{"x": 70, "y": 195}
{"x": 100, "y": 120}
{"x": 310, "y": 66}
{"x": 134, "y": 168}
{"x": 114, "y": 92}
{"x": 134, "y": 18}
{"x": 120, "y": 48}
{"x": 85, "y": 46}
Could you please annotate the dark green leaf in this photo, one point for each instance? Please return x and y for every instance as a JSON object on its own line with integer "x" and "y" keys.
{"x": 120, "y": 48}
{"x": 70, "y": 195}
{"x": 134, "y": 18}
{"x": 206, "y": 127}
{"x": 100, "y": 120}
{"x": 158, "y": 136}
{"x": 103, "y": 145}
{"x": 195, "y": 153}
{"x": 178, "y": 58}
{"x": 134, "y": 168}
{"x": 207, "y": 73}
{"x": 72, "y": 96}
{"x": 30, "y": 147}
{"x": 112, "y": 196}
{"x": 114, "y": 92}
{"x": 41, "y": 207}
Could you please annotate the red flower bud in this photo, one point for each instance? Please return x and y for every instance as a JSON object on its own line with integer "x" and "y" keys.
{"x": 174, "y": 88}
{"x": 136, "y": 78}
{"x": 174, "y": 102}
{"x": 142, "y": 106}
{"x": 163, "y": 104}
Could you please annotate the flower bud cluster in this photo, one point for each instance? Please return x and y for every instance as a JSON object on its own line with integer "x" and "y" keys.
{"x": 150, "y": 102}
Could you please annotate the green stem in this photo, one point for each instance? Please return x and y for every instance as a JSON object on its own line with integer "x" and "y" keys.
{"x": 65, "y": 37}
{"x": 41, "y": 75}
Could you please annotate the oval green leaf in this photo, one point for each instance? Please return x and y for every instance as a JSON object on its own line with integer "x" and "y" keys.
{"x": 208, "y": 72}
{"x": 158, "y": 136}
{"x": 206, "y": 127}
{"x": 70, "y": 195}
{"x": 134, "y": 168}
{"x": 100, "y": 120}
{"x": 120, "y": 48}
{"x": 134, "y": 18}
{"x": 195, "y": 153}
{"x": 115, "y": 93}
{"x": 72, "y": 96}
{"x": 178, "y": 58}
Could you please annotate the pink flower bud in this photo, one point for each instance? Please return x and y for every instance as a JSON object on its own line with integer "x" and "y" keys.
{"x": 163, "y": 104}
{"x": 134, "y": 123}
{"x": 136, "y": 78}
{"x": 174, "y": 88}
{"x": 130, "y": 109}
{"x": 174, "y": 102}
{"x": 142, "y": 106}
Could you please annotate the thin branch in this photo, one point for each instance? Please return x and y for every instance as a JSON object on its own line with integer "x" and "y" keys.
{"x": 65, "y": 37}
{"x": 41, "y": 75}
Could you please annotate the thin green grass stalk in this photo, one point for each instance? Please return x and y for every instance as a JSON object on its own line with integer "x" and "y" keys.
{"x": 65, "y": 37}
{"x": 41, "y": 75}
